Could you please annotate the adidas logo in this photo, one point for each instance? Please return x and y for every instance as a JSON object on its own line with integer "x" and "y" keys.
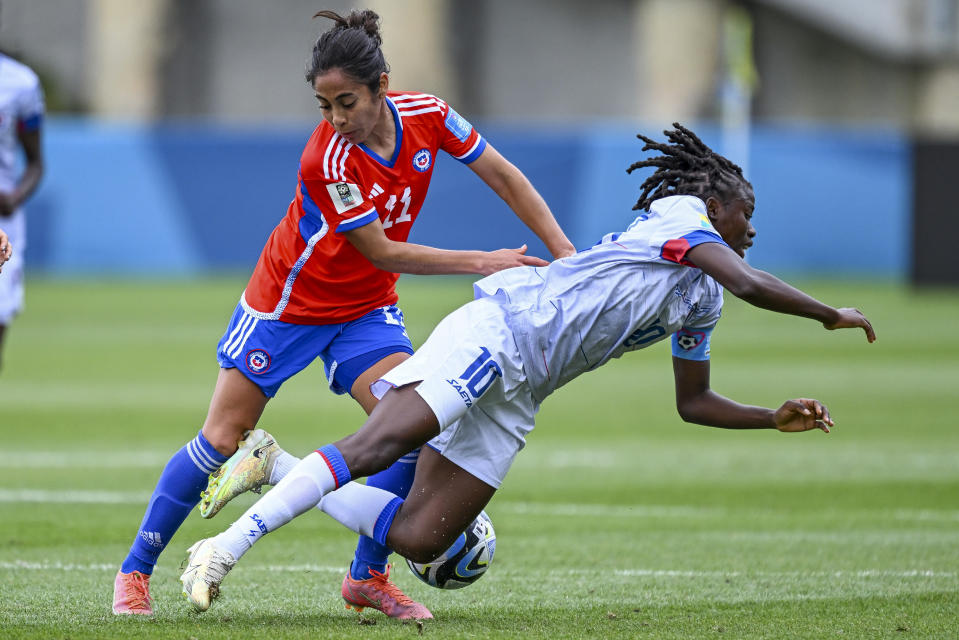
{"x": 152, "y": 538}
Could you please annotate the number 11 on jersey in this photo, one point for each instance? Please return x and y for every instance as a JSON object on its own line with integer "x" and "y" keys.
{"x": 391, "y": 204}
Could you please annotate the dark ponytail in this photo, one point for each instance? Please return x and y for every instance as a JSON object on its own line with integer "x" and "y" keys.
{"x": 351, "y": 45}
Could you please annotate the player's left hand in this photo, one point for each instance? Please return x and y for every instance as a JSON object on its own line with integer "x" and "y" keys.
{"x": 802, "y": 414}
{"x": 508, "y": 258}
{"x": 850, "y": 318}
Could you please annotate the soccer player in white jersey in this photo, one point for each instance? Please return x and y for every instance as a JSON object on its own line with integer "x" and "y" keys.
{"x": 471, "y": 391}
{"x": 21, "y": 122}
{"x": 6, "y": 249}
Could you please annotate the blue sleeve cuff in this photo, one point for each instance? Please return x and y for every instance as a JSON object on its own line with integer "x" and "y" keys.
{"x": 692, "y": 344}
{"x": 33, "y": 123}
{"x": 356, "y": 223}
{"x": 476, "y": 153}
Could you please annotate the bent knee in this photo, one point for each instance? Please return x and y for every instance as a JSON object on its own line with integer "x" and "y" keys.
{"x": 224, "y": 437}
{"x": 420, "y": 546}
{"x": 427, "y": 552}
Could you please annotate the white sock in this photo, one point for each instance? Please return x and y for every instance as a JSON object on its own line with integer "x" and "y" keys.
{"x": 298, "y": 492}
{"x": 339, "y": 500}
{"x": 283, "y": 465}
{"x": 356, "y": 506}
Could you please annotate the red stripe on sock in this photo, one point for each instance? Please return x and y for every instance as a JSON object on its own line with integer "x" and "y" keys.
{"x": 336, "y": 480}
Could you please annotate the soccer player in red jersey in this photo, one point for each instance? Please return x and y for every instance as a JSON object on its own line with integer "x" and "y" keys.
{"x": 324, "y": 287}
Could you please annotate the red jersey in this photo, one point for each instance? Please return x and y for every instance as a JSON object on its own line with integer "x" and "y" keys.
{"x": 308, "y": 272}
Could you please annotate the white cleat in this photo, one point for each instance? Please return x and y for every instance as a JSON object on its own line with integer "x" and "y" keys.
{"x": 206, "y": 566}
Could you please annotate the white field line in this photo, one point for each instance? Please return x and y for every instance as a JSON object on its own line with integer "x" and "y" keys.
{"x": 22, "y": 565}
{"x": 535, "y": 509}
{"x": 40, "y": 496}
{"x": 88, "y": 460}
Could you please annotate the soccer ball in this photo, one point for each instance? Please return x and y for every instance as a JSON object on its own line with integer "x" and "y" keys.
{"x": 465, "y": 561}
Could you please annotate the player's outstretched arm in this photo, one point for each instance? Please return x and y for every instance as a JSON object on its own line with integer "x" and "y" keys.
{"x": 765, "y": 290}
{"x": 406, "y": 257}
{"x": 699, "y": 404}
{"x": 515, "y": 189}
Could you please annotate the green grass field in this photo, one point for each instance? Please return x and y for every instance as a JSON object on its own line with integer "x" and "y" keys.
{"x": 617, "y": 521}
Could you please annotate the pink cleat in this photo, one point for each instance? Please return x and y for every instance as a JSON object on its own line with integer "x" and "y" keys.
{"x": 131, "y": 594}
{"x": 381, "y": 594}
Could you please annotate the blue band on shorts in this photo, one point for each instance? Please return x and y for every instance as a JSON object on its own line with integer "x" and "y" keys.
{"x": 347, "y": 372}
{"x": 269, "y": 352}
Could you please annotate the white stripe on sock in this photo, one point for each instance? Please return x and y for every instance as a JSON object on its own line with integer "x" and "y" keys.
{"x": 198, "y": 458}
{"x": 208, "y": 460}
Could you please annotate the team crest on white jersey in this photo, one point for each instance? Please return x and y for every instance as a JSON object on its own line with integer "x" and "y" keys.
{"x": 345, "y": 196}
{"x": 422, "y": 160}
{"x": 257, "y": 361}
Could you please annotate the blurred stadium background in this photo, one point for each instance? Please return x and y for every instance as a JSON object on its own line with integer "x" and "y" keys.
{"x": 172, "y": 142}
{"x": 175, "y": 126}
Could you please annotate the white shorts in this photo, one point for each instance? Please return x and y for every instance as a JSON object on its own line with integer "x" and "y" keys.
{"x": 473, "y": 380}
{"x": 11, "y": 278}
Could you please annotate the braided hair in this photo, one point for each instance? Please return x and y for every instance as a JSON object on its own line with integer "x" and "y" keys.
{"x": 687, "y": 167}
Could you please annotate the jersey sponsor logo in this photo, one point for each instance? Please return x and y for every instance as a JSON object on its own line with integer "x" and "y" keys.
{"x": 422, "y": 160}
{"x": 252, "y": 533}
{"x": 458, "y": 125}
{"x": 691, "y": 305}
{"x": 453, "y": 382}
{"x": 345, "y": 196}
{"x": 688, "y": 340}
{"x": 257, "y": 361}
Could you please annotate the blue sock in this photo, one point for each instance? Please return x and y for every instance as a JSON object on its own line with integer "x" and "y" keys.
{"x": 176, "y": 493}
{"x": 398, "y": 479}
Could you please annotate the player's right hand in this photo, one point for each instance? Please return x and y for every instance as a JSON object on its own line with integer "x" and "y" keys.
{"x": 509, "y": 258}
{"x": 850, "y": 318}
{"x": 802, "y": 414}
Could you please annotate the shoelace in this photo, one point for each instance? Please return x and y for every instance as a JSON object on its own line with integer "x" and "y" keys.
{"x": 391, "y": 589}
{"x": 218, "y": 566}
{"x": 137, "y": 590}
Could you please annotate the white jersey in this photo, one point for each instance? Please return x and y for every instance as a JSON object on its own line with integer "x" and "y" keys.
{"x": 629, "y": 291}
{"x": 21, "y": 108}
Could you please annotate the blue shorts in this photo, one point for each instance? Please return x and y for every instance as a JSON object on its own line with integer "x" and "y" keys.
{"x": 269, "y": 352}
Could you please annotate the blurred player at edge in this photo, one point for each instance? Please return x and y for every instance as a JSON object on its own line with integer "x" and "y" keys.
{"x": 472, "y": 389}
{"x": 21, "y": 122}
{"x": 6, "y": 249}
{"x": 324, "y": 287}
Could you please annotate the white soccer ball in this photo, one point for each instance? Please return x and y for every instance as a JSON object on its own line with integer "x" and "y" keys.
{"x": 465, "y": 561}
